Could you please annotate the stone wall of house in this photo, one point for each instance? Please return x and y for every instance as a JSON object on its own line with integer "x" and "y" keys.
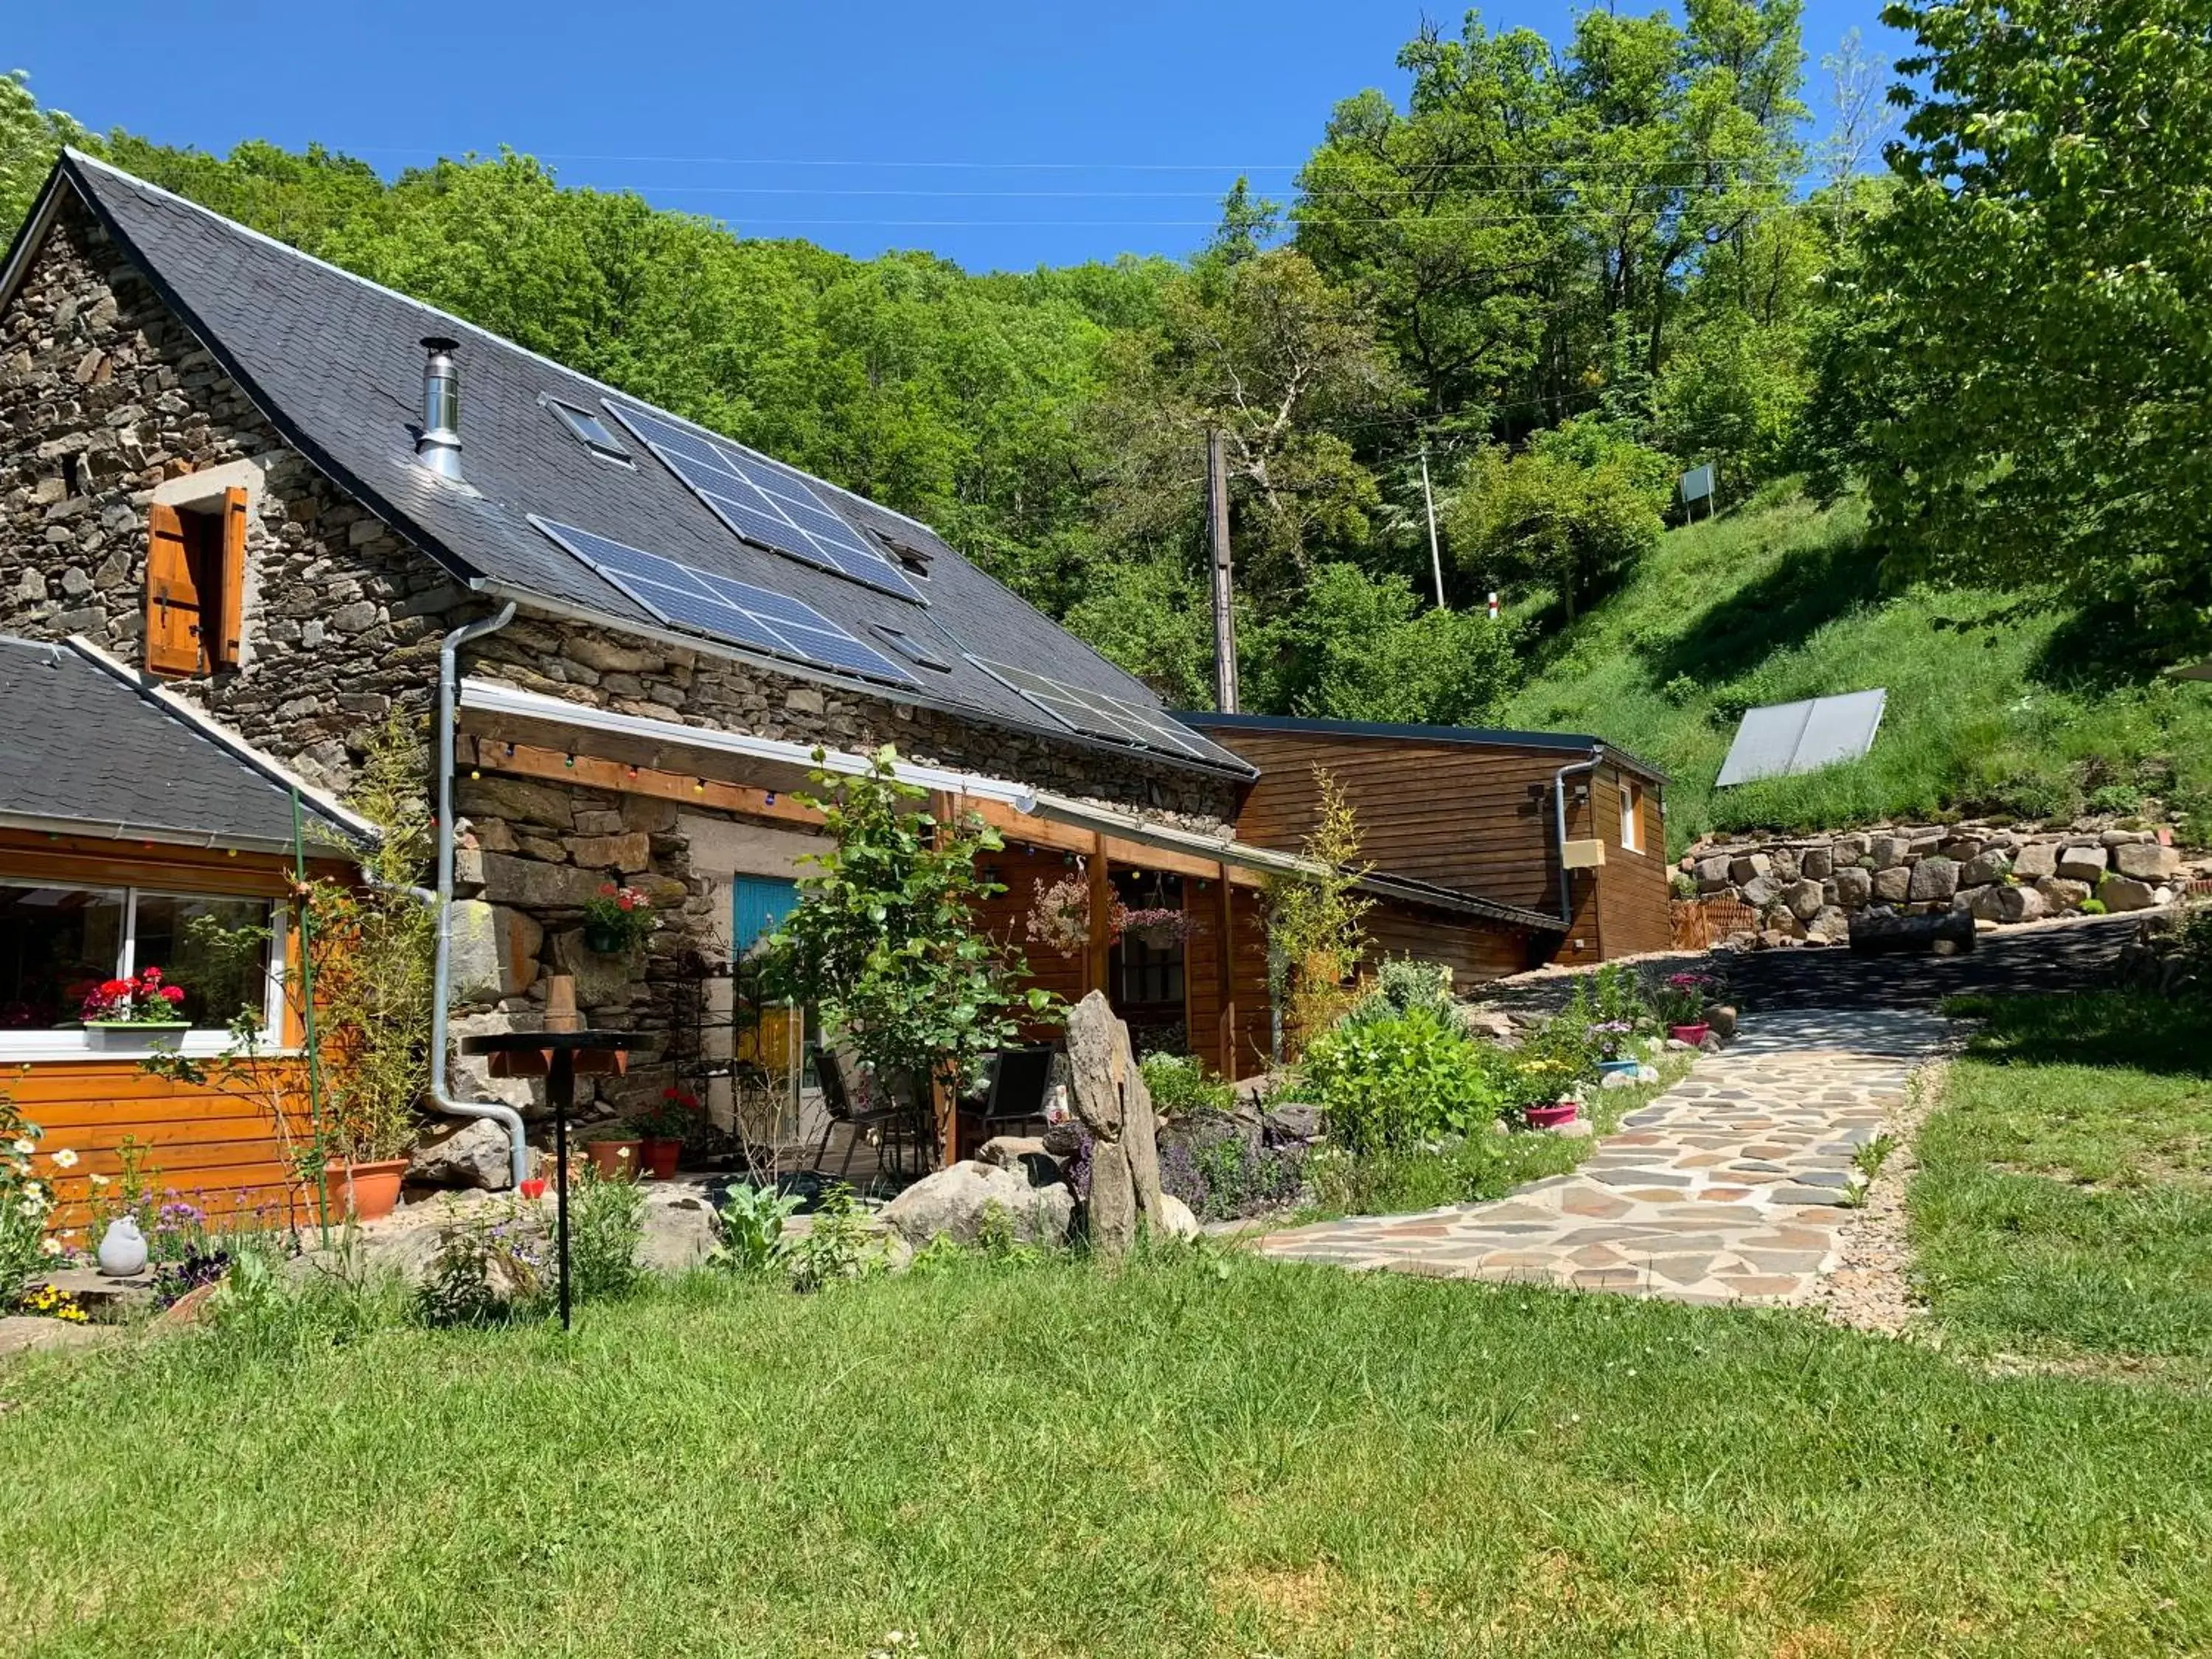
{"x": 104, "y": 397}
{"x": 1806, "y": 889}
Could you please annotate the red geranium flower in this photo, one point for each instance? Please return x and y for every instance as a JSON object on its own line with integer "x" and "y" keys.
{"x": 173, "y": 993}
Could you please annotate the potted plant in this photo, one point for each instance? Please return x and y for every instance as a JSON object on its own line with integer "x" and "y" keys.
{"x": 618, "y": 921}
{"x": 1556, "y": 1114}
{"x": 616, "y": 1149}
{"x": 1681, "y": 1000}
{"x": 1158, "y": 927}
{"x": 1060, "y": 915}
{"x": 1610, "y": 1036}
{"x": 145, "y": 1008}
{"x": 663, "y": 1128}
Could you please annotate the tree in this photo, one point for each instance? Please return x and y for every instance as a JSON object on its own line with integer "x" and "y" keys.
{"x": 30, "y": 138}
{"x": 1316, "y": 922}
{"x": 884, "y": 942}
{"x": 1581, "y": 504}
{"x": 2036, "y": 294}
{"x": 1367, "y": 647}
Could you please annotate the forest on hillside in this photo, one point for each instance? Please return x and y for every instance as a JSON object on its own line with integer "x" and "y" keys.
{"x": 1562, "y": 270}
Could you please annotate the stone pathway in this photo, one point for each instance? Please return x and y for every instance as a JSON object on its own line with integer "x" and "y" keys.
{"x": 1725, "y": 1189}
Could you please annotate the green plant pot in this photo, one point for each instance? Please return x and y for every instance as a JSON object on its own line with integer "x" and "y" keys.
{"x": 605, "y": 942}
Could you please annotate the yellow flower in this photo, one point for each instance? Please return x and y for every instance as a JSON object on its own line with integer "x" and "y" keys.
{"x": 65, "y": 1159}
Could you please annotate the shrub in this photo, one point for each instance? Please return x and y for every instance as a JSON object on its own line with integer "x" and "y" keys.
{"x": 26, "y": 1201}
{"x": 488, "y": 1266}
{"x": 1400, "y": 1080}
{"x": 1405, "y": 983}
{"x": 837, "y": 1247}
{"x": 2117, "y": 799}
{"x": 750, "y": 1228}
{"x": 606, "y": 1223}
{"x": 1179, "y": 1085}
{"x": 1224, "y": 1173}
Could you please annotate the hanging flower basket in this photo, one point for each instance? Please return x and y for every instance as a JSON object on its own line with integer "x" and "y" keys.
{"x": 1060, "y": 915}
{"x": 618, "y": 921}
{"x": 1157, "y": 929}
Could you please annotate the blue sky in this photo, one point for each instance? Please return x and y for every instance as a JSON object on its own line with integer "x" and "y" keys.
{"x": 998, "y": 134}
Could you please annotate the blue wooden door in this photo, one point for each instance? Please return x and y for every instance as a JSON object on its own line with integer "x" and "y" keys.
{"x": 761, "y": 902}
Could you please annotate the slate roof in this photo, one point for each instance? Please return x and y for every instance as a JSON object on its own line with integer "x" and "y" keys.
{"x": 82, "y": 746}
{"x": 335, "y": 364}
{"x": 1485, "y": 737}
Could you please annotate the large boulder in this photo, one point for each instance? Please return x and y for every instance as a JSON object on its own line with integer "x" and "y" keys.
{"x": 1984, "y": 868}
{"x": 1749, "y": 867}
{"x": 1804, "y": 899}
{"x": 1111, "y": 1099}
{"x": 1893, "y": 884}
{"x": 471, "y": 1154}
{"x": 2036, "y": 860}
{"x": 1761, "y": 891}
{"x": 1999, "y": 902}
{"x": 1854, "y": 887}
{"x": 2125, "y": 893}
{"x": 1816, "y": 864}
{"x": 1712, "y": 874}
{"x": 962, "y": 1202}
{"x": 2146, "y": 861}
{"x": 1934, "y": 880}
{"x": 2082, "y": 862}
{"x": 2060, "y": 894}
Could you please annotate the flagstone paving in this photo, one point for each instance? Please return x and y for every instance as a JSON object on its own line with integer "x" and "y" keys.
{"x": 1727, "y": 1187}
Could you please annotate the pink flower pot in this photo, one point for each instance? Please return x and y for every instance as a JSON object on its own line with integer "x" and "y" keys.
{"x": 1693, "y": 1034}
{"x": 1556, "y": 1115}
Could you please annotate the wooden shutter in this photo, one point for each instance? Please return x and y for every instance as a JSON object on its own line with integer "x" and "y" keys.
{"x": 223, "y": 647}
{"x": 173, "y": 596}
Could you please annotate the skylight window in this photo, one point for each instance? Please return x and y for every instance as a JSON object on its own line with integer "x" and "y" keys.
{"x": 591, "y": 430}
{"x": 909, "y": 648}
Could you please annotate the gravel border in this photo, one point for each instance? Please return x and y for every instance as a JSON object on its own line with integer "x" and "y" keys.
{"x": 1871, "y": 1287}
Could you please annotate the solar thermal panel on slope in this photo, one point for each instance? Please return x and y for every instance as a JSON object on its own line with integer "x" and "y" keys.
{"x": 768, "y": 507}
{"x": 735, "y": 611}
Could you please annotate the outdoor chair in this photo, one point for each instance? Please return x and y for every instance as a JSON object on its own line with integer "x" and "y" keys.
{"x": 884, "y": 1113}
{"x": 1019, "y": 1078}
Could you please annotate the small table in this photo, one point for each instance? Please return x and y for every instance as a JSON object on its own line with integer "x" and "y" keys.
{"x": 561, "y": 1050}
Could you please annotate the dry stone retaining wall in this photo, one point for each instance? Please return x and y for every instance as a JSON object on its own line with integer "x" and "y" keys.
{"x": 1805, "y": 889}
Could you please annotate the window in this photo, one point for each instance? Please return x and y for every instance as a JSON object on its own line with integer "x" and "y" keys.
{"x": 593, "y": 431}
{"x": 195, "y": 586}
{"x": 58, "y": 943}
{"x": 909, "y": 648}
{"x": 1631, "y": 816}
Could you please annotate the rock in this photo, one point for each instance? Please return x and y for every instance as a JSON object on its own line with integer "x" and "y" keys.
{"x": 1063, "y": 1141}
{"x": 2082, "y": 862}
{"x": 1962, "y": 849}
{"x": 1712, "y": 874}
{"x": 1761, "y": 891}
{"x": 1011, "y": 1152}
{"x": 2036, "y": 860}
{"x": 629, "y": 854}
{"x": 1722, "y": 1017}
{"x": 1849, "y": 850}
{"x": 1832, "y": 922}
{"x": 1804, "y": 899}
{"x": 2060, "y": 894}
{"x": 1891, "y": 885}
{"x": 495, "y": 951}
{"x": 1492, "y": 1025}
{"x": 602, "y": 982}
{"x": 537, "y": 886}
{"x": 473, "y": 1154}
{"x": 1578, "y": 1128}
{"x": 1854, "y": 887}
{"x": 1984, "y": 868}
{"x": 2146, "y": 861}
{"x": 1816, "y": 864}
{"x": 2111, "y": 839}
{"x": 2125, "y": 893}
{"x": 959, "y": 1203}
{"x": 1616, "y": 1080}
{"x": 1889, "y": 851}
{"x": 1933, "y": 878}
{"x": 1111, "y": 1099}
{"x": 1749, "y": 868}
{"x": 517, "y": 802}
{"x": 679, "y": 1227}
{"x": 1292, "y": 1124}
{"x": 1783, "y": 866}
{"x": 2007, "y": 904}
{"x": 1940, "y": 932}
{"x": 1176, "y": 1219}
{"x": 24, "y": 1333}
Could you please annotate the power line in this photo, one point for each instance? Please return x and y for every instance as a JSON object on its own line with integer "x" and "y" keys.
{"x": 1544, "y": 166}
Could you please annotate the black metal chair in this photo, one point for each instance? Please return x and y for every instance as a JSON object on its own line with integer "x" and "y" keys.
{"x": 1019, "y": 1078}
{"x": 885, "y": 1115}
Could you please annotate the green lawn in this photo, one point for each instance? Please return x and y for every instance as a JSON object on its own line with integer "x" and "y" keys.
{"x": 2064, "y": 1203}
{"x": 1990, "y": 708}
{"x": 1197, "y": 1455}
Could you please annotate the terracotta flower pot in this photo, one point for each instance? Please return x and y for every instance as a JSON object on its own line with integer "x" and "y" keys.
{"x": 371, "y": 1191}
{"x": 618, "y": 1160}
{"x": 1557, "y": 1115}
{"x": 660, "y": 1157}
{"x": 1693, "y": 1034}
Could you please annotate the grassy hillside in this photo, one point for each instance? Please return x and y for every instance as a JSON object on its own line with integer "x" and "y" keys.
{"x": 1992, "y": 708}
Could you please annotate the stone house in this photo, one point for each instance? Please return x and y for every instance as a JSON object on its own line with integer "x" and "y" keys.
{"x": 298, "y": 505}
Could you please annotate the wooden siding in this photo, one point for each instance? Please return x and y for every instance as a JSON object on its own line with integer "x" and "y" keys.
{"x": 1632, "y": 888}
{"x": 1248, "y": 1035}
{"x": 1474, "y": 951}
{"x": 1004, "y": 917}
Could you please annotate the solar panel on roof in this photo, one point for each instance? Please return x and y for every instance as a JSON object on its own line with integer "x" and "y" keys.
{"x": 722, "y": 608}
{"x": 764, "y": 505}
{"x": 1099, "y": 713}
{"x": 1785, "y": 738}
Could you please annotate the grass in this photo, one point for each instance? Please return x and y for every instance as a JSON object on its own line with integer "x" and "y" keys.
{"x": 1197, "y": 1455}
{"x": 2064, "y": 1203}
{"x": 1991, "y": 709}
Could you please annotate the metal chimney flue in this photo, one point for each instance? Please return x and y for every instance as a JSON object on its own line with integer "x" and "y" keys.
{"x": 439, "y": 448}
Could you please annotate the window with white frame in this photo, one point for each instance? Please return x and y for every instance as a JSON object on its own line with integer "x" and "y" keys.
{"x": 59, "y": 944}
{"x": 1631, "y": 816}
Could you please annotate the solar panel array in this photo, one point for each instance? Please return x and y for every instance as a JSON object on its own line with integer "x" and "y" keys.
{"x": 1101, "y": 715}
{"x": 1784, "y": 739}
{"x": 766, "y": 506}
{"x": 738, "y": 612}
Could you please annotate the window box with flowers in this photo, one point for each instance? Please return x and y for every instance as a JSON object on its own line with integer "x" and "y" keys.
{"x": 618, "y": 921}
{"x": 143, "y": 1008}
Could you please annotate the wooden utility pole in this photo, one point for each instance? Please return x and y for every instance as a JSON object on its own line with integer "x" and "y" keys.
{"x": 1428, "y": 501}
{"x": 1217, "y": 533}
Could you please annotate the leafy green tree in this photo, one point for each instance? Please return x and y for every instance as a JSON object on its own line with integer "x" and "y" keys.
{"x": 1581, "y": 504}
{"x": 2032, "y": 351}
{"x": 1367, "y": 647}
{"x": 884, "y": 944}
{"x": 30, "y": 138}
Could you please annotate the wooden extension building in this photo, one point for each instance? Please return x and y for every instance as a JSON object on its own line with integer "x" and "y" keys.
{"x": 1563, "y": 827}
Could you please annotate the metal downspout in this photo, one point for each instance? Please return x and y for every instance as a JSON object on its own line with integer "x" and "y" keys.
{"x": 1560, "y": 803}
{"x": 498, "y": 1111}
